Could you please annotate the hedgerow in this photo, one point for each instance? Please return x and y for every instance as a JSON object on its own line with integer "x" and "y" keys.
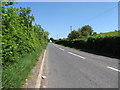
{"x": 22, "y": 43}
{"x": 104, "y": 45}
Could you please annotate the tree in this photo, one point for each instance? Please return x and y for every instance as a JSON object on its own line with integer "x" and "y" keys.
{"x": 60, "y": 39}
{"x": 79, "y": 30}
{"x": 73, "y": 35}
{"x": 94, "y": 33}
{"x": 52, "y": 39}
{"x": 86, "y": 30}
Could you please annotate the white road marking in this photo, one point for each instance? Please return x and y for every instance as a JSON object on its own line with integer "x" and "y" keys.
{"x": 76, "y": 55}
{"x": 61, "y": 49}
{"x": 38, "y": 82}
{"x": 113, "y": 68}
{"x": 55, "y": 45}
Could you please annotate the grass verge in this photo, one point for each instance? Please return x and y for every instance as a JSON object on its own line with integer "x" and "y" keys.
{"x": 14, "y": 75}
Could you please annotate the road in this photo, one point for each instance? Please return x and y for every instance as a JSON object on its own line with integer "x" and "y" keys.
{"x": 69, "y": 68}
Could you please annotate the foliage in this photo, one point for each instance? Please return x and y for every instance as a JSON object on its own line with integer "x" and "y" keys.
{"x": 73, "y": 35}
{"x": 101, "y": 35}
{"x": 14, "y": 75}
{"x": 86, "y": 30}
{"x": 20, "y": 39}
{"x": 94, "y": 33}
{"x": 107, "y": 45}
{"x": 52, "y": 39}
{"x": 108, "y": 34}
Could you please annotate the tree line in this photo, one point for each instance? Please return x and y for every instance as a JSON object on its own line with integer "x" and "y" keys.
{"x": 84, "y": 31}
{"x": 81, "y": 32}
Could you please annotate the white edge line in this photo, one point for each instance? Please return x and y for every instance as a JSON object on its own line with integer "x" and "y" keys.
{"x": 38, "y": 82}
{"x": 113, "y": 68}
{"x": 76, "y": 55}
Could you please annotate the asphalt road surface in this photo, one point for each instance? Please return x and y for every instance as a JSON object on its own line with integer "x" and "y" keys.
{"x": 69, "y": 68}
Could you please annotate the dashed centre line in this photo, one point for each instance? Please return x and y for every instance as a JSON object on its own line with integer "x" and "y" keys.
{"x": 76, "y": 55}
{"x": 113, "y": 68}
{"x": 61, "y": 49}
{"x": 56, "y": 46}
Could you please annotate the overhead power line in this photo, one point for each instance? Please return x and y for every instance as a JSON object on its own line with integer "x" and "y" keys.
{"x": 102, "y": 13}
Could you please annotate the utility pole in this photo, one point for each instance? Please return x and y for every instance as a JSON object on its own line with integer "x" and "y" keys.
{"x": 71, "y": 28}
{"x": 57, "y": 36}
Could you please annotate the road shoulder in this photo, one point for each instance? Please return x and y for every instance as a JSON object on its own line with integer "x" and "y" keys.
{"x": 32, "y": 79}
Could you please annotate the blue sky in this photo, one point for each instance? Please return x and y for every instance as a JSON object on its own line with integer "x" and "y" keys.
{"x": 57, "y": 17}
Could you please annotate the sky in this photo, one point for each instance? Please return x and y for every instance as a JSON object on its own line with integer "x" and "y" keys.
{"x": 67, "y": 0}
{"x": 57, "y": 17}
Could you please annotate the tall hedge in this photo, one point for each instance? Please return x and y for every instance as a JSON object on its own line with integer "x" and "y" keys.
{"x": 104, "y": 45}
{"x": 22, "y": 43}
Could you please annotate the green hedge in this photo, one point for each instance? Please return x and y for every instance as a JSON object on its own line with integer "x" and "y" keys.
{"x": 22, "y": 44}
{"x": 106, "y": 45}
